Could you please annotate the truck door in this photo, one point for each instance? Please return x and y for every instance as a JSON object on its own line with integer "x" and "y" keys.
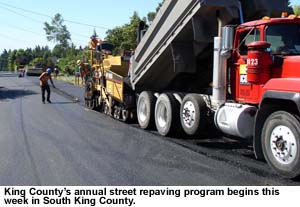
{"x": 241, "y": 89}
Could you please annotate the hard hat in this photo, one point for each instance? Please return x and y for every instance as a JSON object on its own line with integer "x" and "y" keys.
{"x": 78, "y": 62}
{"x": 49, "y": 70}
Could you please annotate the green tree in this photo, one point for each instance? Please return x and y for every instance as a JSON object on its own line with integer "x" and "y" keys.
{"x": 4, "y": 60}
{"x": 151, "y": 15}
{"x": 124, "y": 37}
{"x": 68, "y": 64}
{"x": 296, "y": 9}
{"x": 57, "y": 32}
{"x": 21, "y": 57}
{"x": 12, "y": 60}
{"x": 28, "y": 54}
{"x": 159, "y": 5}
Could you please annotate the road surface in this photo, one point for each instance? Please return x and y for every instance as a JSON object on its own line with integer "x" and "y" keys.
{"x": 65, "y": 144}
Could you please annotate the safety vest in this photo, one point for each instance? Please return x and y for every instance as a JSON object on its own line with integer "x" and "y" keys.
{"x": 85, "y": 69}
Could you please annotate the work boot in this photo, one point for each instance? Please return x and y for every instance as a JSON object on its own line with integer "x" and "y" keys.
{"x": 49, "y": 101}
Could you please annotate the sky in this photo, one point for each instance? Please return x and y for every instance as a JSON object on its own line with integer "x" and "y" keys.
{"x": 295, "y": 2}
{"x": 22, "y": 21}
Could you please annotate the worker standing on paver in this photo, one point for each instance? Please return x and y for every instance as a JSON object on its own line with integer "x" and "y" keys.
{"x": 45, "y": 76}
{"x": 85, "y": 70}
{"x": 94, "y": 42}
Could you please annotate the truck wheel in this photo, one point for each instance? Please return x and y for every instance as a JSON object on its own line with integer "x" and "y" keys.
{"x": 90, "y": 103}
{"x": 125, "y": 115}
{"x": 145, "y": 109}
{"x": 100, "y": 107}
{"x": 281, "y": 142}
{"x": 96, "y": 102}
{"x": 193, "y": 112}
{"x": 106, "y": 110}
{"x": 167, "y": 114}
{"x": 89, "y": 97}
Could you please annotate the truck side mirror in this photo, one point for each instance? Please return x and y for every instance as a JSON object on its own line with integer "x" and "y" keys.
{"x": 227, "y": 38}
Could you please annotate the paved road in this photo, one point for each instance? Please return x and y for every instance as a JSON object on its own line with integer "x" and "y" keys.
{"x": 64, "y": 144}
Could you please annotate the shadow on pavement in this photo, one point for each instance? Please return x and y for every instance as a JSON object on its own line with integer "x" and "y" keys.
{"x": 14, "y": 93}
{"x": 224, "y": 143}
{"x": 63, "y": 102}
{"x": 8, "y": 74}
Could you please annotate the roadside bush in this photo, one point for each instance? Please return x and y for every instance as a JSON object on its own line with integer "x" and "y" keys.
{"x": 68, "y": 64}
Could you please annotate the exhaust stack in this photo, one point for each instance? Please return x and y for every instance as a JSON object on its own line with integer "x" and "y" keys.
{"x": 222, "y": 47}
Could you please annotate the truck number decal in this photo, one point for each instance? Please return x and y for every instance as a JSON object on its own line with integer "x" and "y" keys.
{"x": 252, "y": 61}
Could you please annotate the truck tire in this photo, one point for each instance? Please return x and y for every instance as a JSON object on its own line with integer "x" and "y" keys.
{"x": 167, "y": 115}
{"x": 89, "y": 96}
{"x": 193, "y": 112}
{"x": 145, "y": 109}
{"x": 281, "y": 142}
{"x": 91, "y": 103}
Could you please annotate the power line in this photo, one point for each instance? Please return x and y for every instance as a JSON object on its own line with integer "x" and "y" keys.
{"x": 29, "y": 11}
{"x": 40, "y": 34}
{"x": 48, "y": 16}
{"x": 37, "y": 21}
{"x": 72, "y": 33}
{"x": 22, "y": 29}
{"x": 5, "y": 8}
{"x": 84, "y": 24}
{"x": 14, "y": 39}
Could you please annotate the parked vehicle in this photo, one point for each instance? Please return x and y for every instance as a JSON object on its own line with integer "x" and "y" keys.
{"x": 35, "y": 70}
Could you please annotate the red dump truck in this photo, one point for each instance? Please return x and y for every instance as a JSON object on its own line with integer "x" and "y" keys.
{"x": 235, "y": 64}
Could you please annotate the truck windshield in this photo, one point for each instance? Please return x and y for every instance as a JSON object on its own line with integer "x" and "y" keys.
{"x": 284, "y": 38}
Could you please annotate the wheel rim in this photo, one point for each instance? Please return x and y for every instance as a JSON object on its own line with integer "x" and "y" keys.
{"x": 142, "y": 110}
{"x": 90, "y": 103}
{"x": 188, "y": 114}
{"x": 124, "y": 115}
{"x": 162, "y": 116}
{"x": 283, "y": 144}
{"x": 87, "y": 103}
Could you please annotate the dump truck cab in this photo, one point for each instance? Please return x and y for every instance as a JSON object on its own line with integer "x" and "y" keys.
{"x": 281, "y": 56}
{"x": 265, "y": 74}
{"x": 283, "y": 37}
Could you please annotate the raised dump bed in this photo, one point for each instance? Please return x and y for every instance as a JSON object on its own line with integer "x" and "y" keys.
{"x": 176, "y": 53}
